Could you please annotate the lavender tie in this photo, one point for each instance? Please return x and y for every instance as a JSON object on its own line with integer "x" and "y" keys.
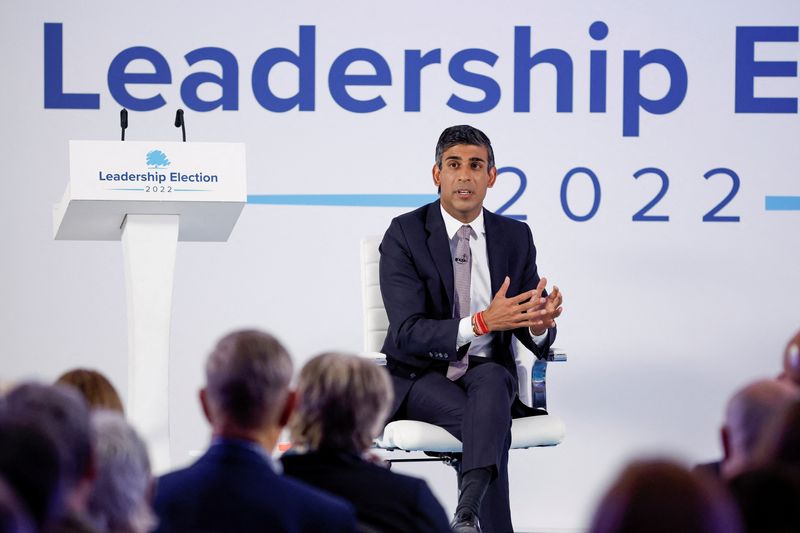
{"x": 462, "y": 271}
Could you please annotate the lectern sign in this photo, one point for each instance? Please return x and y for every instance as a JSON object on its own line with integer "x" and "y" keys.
{"x": 204, "y": 183}
{"x": 158, "y": 171}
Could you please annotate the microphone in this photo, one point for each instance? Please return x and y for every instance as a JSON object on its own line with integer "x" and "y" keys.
{"x": 179, "y": 123}
{"x": 123, "y": 121}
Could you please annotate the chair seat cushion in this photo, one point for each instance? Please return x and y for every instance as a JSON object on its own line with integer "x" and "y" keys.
{"x": 411, "y": 435}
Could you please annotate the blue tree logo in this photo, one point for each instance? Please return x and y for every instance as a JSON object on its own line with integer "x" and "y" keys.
{"x": 157, "y": 159}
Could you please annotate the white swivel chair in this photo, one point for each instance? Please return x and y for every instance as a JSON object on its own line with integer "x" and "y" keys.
{"x": 414, "y": 436}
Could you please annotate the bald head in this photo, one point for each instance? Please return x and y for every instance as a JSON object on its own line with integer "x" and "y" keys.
{"x": 749, "y": 412}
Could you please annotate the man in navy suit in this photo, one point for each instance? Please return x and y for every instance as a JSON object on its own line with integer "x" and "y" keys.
{"x": 235, "y": 486}
{"x": 458, "y": 283}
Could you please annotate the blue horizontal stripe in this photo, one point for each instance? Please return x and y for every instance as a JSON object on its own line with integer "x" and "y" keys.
{"x": 126, "y": 189}
{"x": 358, "y": 200}
{"x": 782, "y": 203}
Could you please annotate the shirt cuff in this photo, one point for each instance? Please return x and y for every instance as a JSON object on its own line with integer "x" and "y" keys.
{"x": 539, "y": 340}
{"x": 465, "y": 333}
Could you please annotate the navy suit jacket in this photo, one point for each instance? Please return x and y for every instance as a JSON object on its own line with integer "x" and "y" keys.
{"x": 416, "y": 277}
{"x": 232, "y": 488}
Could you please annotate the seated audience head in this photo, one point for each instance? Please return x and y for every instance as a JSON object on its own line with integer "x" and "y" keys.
{"x": 247, "y": 387}
{"x": 61, "y": 413}
{"x": 342, "y": 404}
{"x": 95, "y": 388}
{"x": 663, "y": 497}
{"x": 120, "y": 498}
{"x": 791, "y": 360}
{"x": 13, "y": 515}
{"x": 29, "y": 465}
{"x": 747, "y": 416}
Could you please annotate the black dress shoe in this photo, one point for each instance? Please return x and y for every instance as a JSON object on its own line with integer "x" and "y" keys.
{"x": 466, "y": 522}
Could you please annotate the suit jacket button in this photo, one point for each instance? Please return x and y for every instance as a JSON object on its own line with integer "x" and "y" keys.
{"x": 412, "y": 375}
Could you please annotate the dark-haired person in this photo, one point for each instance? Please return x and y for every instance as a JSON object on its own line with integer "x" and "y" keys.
{"x": 60, "y": 413}
{"x": 342, "y": 405}
{"x": 14, "y": 517}
{"x": 659, "y": 496}
{"x": 459, "y": 283}
{"x": 29, "y": 464}
{"x": 235, "y": 487}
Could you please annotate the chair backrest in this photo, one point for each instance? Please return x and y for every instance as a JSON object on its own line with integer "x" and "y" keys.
{"x": 376, "y": 322}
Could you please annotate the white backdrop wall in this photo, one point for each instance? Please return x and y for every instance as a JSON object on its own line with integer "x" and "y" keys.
{"x": 663, "y": 320}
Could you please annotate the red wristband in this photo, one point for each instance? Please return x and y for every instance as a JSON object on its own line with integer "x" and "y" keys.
{"x": 475, "y": 330}
{"x": 482, "y": 328}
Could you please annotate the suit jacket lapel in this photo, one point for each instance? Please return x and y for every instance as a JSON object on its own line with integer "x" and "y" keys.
{"x": 497, "y": 250}
{"x": 439, "y": 247}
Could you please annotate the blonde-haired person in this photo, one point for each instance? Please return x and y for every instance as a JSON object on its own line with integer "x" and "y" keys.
{"x": 343, "y": 401}
{"x": 94, "y": 387}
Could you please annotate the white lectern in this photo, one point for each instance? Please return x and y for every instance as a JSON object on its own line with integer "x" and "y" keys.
{"x": 151, "y": 195}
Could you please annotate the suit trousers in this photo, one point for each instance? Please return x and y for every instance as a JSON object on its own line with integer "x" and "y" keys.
{"x": 476, "y": 409}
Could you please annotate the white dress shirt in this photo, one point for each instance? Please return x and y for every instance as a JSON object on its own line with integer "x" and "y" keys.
{"x": 480, "y": 285}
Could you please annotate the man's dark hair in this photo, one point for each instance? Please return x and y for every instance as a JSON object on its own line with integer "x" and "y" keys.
{"x": 61, "y": 413}
{"x": 463, "y": 135}
{"x": 29, "y": 464}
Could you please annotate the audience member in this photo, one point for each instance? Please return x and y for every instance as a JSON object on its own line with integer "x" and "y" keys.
{"x": 662, "y": 497}
{"x": 13, "y": 516}
{"x": 342, "y": 405}
{"x": 768, "y": 499}
{"x": 120, "y": 499}
{"x": 747, "y": 416}
{"x": 29, "y": 464}
{"x": 62, "y": 414}
{"x": 94, "y": 387}
{"x": 235, "y": 487}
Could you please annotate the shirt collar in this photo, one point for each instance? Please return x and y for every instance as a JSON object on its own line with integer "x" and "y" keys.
{"x": 452, "y": 225}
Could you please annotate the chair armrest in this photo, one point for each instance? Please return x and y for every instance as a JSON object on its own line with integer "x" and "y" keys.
{"x": 539, "y": 376}
{"x": 556, "y": 355}
{"x": 376, "y": 357}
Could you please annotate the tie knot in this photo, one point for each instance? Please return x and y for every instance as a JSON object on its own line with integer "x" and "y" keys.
{"x": 464, "y": 232}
